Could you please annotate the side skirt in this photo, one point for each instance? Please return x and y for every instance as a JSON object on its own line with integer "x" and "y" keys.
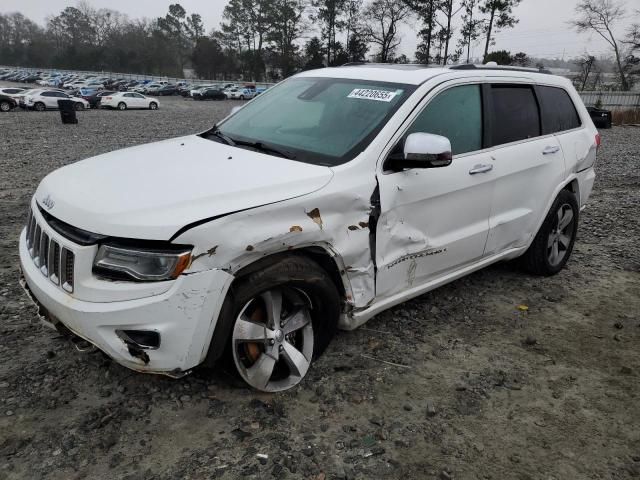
{"x": 359, "y": 317}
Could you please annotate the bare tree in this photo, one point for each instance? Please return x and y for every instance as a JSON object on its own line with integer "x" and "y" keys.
{"x": 382, "y": 20}
{"x": 601, "y": 16}
{"x": 447, "y": 8}
{"x": 471, "y": 26}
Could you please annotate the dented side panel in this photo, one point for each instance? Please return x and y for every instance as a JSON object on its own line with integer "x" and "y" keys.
{"x": 335, "y": 219}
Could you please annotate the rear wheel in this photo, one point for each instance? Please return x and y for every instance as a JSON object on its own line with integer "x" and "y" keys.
{"x": 5, "y": 106}
{"x": 552, "y": 246}
{"x": 153, "y": 106}
{"x": 122, "y": 106}
{"x": 283, "y": 317}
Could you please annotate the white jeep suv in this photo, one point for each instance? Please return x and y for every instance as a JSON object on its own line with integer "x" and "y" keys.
{"x": 334, "y": 195}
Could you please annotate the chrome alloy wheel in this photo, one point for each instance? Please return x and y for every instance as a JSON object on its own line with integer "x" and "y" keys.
{"x": 561, "y": 235}
{"x": 273, "y": 339}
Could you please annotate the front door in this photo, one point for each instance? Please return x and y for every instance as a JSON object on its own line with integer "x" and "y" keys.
{"x": 434, "y": 221}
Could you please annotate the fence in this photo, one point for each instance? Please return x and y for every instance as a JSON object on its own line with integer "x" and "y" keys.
{"x": 612, "y": 100}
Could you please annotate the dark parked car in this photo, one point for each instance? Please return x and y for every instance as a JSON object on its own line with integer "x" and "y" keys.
{"x": 209, "y": 94}
{"x": 7, "y": 103}
{"x": 601, "y": 118}
{"x": 167, "y": 90}
{"x": 94, "y": 98}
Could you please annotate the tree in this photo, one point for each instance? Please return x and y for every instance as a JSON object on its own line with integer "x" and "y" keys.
{"x": 382, "y": 19}
{"x": 471, "y": 26}
{"x": 357, "y": 48}
{"x": 601, "y": 16}
{"x": 500, "y": 16}
{"x": 521, "y": 59}
{"x": 328, "y": 13}
{"x": 501, "y": 57}
{"x": 286, "y": 27}
{"x": 313, "y": 54}
{"x": 426, "y": 10}
{"x": 447, "y": 8}
{"x": 207, "y": 57}
{"x": 586, "y": 64}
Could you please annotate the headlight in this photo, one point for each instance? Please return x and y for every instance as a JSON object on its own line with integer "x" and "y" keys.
{"x": 142, "y": 265}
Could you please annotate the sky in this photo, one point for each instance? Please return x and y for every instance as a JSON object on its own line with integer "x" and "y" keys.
{"x": 543, "y": 30}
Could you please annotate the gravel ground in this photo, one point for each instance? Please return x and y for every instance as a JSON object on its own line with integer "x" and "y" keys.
{"x": 475, "y": 387}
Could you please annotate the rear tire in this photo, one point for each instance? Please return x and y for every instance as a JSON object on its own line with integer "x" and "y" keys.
{"x": 553, "y": 244}
{"x": 122, "y": 106}
{"x": 5, "y": 106}
{"x": 281, "y": 318}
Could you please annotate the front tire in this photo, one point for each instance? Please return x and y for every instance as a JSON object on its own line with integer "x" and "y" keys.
{"x": 153, "y": 106}
{"x": 553, "y": 244}
{"x": 40, "y": 107}
{"x": 283, "y": 317}
{"x": 5, "y": 106}
{"x": 79, "y": 106}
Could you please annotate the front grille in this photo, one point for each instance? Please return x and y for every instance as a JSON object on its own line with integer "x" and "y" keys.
{"x": 53, "y": 260}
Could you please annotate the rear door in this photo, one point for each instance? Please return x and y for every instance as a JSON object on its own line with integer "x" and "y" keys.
{"x": 528, "y": 165}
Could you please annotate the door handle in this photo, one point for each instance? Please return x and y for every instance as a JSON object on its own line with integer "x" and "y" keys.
{"x": 481, "y": 169}
{"x": 551, "y": 150}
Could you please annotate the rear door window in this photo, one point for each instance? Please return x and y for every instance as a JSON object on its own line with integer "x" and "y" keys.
{"x": 514, "y": 114}
{"x": 558, "y": 111}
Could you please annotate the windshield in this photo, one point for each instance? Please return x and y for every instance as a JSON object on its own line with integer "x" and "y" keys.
{"x": 325, "y": 121}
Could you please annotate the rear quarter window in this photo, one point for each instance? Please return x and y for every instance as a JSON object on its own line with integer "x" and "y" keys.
{"x": 558, "y": 110}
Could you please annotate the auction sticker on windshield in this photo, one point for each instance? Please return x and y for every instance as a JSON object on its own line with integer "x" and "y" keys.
{"x": 370, "y": 94}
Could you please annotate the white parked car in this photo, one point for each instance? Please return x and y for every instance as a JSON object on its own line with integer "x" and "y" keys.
{"x": 48, "y": 99}
{"x": 331, "y": 197}
{"x": 12, "y": 92}
{"x": 126, "y": 100}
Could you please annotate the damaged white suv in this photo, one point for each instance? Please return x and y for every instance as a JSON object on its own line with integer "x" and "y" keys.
{"x": 331, "y": 197}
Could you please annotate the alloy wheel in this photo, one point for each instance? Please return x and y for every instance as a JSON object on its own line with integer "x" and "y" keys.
{"x": 5, "y": 107}
{"x": 561, "y": 234}
{"x": 272, "y": 339}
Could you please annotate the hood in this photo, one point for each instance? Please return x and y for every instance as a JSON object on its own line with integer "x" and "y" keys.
{"x": 151, "y": 191}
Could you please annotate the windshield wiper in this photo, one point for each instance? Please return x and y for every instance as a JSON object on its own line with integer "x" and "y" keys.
{"x": 215, "y": 132}
{"x": 267, "y": 149}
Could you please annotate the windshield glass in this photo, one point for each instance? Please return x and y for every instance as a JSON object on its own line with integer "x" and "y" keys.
{"x": 325, "y": 121}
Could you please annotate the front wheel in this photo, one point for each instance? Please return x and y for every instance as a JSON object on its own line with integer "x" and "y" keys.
{"x": 5, "y": 106}
{"x": 283, "y": 317}
{"x": 153, "y": 106}
{"x": 40, "y": 107}
{"x": 79, "y": 106}
{"x": 552, "y": 246}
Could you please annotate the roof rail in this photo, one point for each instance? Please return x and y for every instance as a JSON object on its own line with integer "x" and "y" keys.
{"x": 471, "y": 66}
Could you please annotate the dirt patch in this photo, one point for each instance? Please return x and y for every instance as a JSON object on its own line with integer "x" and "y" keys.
{"x": 459, "y": 383}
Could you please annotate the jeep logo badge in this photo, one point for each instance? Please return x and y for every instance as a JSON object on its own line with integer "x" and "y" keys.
{"x": 48, "y": 202}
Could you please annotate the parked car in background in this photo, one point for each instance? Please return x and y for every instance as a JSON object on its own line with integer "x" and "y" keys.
{"x": 167, "y": 90}
{"x": 7, "y": 103}
{"x": 94, "y": 98}
{"x": 12, "y": 92}
{"x": 151, "y": 88}
{"x": 48, "y": 100}
{"x": 199, "y": 87}
{"x": 129, "y": 100}
{"x": 601, "y": 118}
{"x": 210, "y": 93}
{"x": 241, "y": 93}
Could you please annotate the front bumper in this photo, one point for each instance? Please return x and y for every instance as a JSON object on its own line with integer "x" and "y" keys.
{"x": 185, "y": 317}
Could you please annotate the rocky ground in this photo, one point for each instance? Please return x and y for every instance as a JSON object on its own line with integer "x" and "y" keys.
{"x": 460, "y": 383}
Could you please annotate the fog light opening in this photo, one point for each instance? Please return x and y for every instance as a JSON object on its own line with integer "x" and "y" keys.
{"x": 142, "y": 339}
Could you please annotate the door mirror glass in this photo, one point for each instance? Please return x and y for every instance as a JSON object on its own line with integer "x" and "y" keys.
{"x": 423, "y": 150}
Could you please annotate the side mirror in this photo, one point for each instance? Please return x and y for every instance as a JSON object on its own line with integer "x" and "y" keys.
{"x": 424, "y": 150}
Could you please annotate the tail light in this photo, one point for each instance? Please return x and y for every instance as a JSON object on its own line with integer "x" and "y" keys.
{"x": 598, "y": 140}
{"x": 107, "y": 98}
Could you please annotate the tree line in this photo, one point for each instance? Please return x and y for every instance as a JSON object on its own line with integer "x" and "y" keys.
{"x": 262, "y": 39}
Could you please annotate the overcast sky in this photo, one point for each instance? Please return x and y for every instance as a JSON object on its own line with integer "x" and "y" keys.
{"x": 542, "y": 31}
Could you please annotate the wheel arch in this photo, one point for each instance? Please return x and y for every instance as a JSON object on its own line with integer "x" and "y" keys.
{"x": 324, "y": 256}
